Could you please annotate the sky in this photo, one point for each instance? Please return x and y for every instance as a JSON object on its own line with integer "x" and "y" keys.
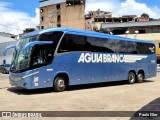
{"x": 16, "y": 15}
{"x": 126, "y": 7}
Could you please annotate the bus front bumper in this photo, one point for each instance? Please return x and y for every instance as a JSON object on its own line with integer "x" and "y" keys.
{"x": 19, "y": 82}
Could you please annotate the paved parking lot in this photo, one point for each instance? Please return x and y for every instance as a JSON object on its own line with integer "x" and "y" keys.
{"x": 115, "y": 96}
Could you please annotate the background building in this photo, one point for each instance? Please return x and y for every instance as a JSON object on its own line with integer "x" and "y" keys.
{"x": 128, "y": 26}
{"x": 6, "y": 40}
{"x": 62, "y": 13}
{"x": 131, "y": 27}
{"x": 99, "y": 14}
{"x": 95, "y": 19}
{"x": 148, "y": 30}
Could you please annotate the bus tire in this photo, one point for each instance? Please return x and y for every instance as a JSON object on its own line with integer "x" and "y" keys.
{"x": 59, "y": 84}
{"x": 131, "y": 77}
{"x": 140, "y": 77}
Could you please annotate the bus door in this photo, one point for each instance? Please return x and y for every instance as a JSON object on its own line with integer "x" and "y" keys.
{"x": 38, "y": 65}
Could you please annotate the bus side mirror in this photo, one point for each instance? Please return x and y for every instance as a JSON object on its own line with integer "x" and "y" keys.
{"x": 31, "y": 44}
{"x": 6, "y": 49}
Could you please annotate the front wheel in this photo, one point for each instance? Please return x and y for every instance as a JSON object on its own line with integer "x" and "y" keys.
{"x": 59, "y": 84}
{"x": 131, "y": 78}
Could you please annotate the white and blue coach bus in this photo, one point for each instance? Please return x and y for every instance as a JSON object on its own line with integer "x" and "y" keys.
{"x": 58, "y": 57}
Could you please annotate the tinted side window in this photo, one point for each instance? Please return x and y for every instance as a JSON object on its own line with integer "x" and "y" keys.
{"x": 141, "y": 48}
{"x": 96, "y": 44}
{"x": 121, "y": 46}
{"x": 151, "y": 48}
{"x": 86, "y": 43}
{"x": 107, "y": 45}
{"x": 51, "y": 36}
{"x": 39, "y": 56}
{"x": 145, "y": 48}
{"x": 72, "y": 43}
{"x": 126, "y": 47}
{"x": 92, "y": 44}
{"x": 132, "y": 47}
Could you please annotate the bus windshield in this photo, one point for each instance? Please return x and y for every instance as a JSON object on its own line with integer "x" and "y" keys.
{"x": 38, "y": 55}
{"x": 20, "y": 62}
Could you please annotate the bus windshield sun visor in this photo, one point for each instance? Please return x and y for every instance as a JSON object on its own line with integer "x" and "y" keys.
{"x": 27, "y": 46}
{"x": 6, "y": 49}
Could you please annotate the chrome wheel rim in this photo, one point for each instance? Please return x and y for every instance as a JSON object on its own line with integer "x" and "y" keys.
{"x": 131, "y": 78}
{"x": 61, "y": 83}
{"x": 140, "y": 77}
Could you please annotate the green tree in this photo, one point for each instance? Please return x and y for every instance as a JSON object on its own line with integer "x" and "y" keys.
{"x": 144, "y": 15}
{"x": 27, "y": 30}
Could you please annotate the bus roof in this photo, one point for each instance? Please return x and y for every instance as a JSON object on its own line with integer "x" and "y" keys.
{"x": 83, "y": 32}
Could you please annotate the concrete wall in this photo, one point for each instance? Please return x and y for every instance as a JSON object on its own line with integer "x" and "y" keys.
{"x": 88, "y": 24}
{"x": 71, "y": 16}
{"x": 49, "y": 19}
{"x": 8, "y": 59}
{"x": 147, "y": 29}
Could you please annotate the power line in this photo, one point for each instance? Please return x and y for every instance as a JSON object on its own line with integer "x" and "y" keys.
{"x": 10, "y": 27}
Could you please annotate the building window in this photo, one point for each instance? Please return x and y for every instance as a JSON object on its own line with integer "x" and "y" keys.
{"x": 58, "y": 18}
{"x": 58, "y": 6}
{"x": 58, "y": 25}
{"x": 74, "y": 2}
{"x": 41, "y": 10}
{"x": 42, "y": 27}
{"x": 69, "y": 2}
{"x": 141, "y": 31}
{"x": 42, "y": 18}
